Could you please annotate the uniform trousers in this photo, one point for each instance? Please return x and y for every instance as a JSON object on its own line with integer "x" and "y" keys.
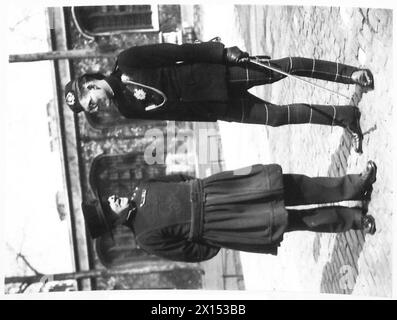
{"x": 247, "y": 108}
{"x": 304, "y": 190}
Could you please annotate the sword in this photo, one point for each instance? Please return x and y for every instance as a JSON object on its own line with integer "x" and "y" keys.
{"x": 254, "y": 60}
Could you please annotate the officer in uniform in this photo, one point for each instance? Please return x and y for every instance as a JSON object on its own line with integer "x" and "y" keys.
{"x": 182, "y": 218}
{"x": 208, "y": 82}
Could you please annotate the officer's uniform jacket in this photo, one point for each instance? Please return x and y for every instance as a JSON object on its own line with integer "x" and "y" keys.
{"x": 187, "y": 219}
{"x": 192, "y": 77}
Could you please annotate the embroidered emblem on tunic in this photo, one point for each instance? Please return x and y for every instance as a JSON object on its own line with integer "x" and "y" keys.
{"x": 139, "y": 94}
{"x": 143, "y": 197}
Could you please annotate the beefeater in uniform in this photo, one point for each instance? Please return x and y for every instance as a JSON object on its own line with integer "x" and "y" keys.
{"x": 208, "y": 82}
{"x": 182, "y": 218}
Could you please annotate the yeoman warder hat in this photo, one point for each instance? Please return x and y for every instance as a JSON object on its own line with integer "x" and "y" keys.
{"x": 72, "y": 97}
{"x": 96, "y": 218}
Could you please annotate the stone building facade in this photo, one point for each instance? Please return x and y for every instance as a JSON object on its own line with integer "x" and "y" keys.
{"x": 106, "y": 152}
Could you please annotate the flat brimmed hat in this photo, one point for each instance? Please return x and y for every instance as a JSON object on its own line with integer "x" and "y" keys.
{"x": 72, "y": 96}
{"x": 96, "y": 219}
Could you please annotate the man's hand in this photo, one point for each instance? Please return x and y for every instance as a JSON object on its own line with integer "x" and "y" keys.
{"x": 234, "y": 55}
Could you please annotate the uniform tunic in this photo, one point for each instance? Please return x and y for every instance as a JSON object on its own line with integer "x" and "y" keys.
{"x": 196, "y": 89}
{"x": 187, "y": 219}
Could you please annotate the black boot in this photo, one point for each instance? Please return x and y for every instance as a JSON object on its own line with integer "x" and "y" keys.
{"x": 364, "y": 78}
{"x": 368, "y": 178}
{"x": 368, "y": 224}
{"x": 354, "y": 129}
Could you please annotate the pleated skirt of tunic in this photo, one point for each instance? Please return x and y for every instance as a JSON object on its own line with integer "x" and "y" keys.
{"x": 244, "y": 209}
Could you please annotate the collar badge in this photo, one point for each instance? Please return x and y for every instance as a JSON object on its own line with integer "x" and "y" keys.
{"x": 143, "y": 197}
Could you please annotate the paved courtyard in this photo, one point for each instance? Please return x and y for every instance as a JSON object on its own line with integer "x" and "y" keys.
{"x": 349, "y": 263}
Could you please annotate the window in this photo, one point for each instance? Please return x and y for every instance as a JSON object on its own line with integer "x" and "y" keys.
{"x": 104, "y": 20}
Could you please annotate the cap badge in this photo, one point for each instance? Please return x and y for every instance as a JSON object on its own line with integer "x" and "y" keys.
{"x": 70, "y": 98}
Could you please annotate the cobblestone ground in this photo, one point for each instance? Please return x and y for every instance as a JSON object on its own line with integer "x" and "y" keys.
{"x": 350, "y": 263}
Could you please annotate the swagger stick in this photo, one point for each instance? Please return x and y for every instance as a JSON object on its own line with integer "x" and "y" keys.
{"x": 254, "y": 60}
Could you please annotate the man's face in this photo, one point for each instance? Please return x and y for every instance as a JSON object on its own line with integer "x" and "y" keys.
{"x": 118, "y": 204}
{"x": 94, "y": 97}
